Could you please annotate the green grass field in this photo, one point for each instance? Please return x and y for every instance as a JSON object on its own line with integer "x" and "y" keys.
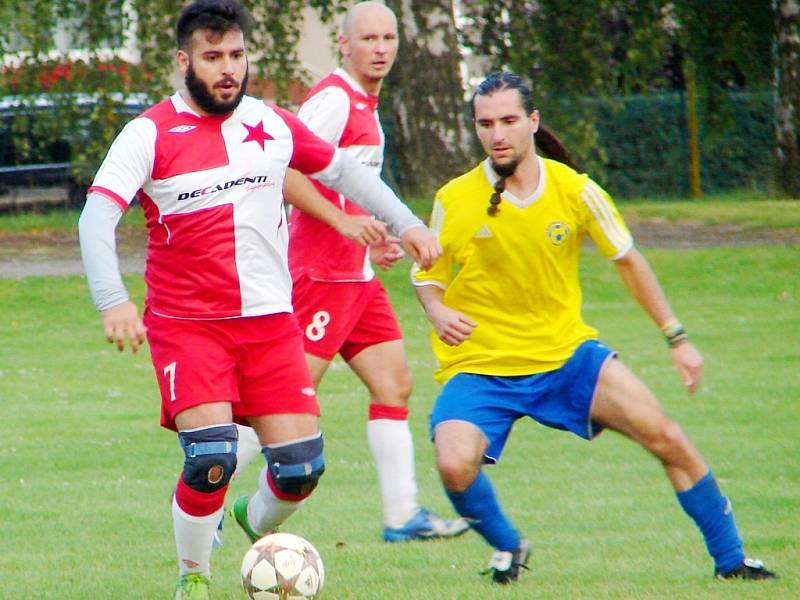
{"x": 87, "y": 473}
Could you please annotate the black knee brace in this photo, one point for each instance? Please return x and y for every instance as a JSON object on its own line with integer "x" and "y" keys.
{"x": 210, "y": 457}
{"x": 295, "y": 467}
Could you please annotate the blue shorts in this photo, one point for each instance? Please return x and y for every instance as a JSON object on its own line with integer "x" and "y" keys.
{"x": 561, "y": 399}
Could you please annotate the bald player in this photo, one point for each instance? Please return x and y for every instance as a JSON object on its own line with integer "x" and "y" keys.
{"x": 341, "y": 306}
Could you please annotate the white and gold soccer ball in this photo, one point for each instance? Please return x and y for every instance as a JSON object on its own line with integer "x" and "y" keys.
{"x": 282, "y": 566}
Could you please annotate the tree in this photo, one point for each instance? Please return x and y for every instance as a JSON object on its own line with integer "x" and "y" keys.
{"x": 787, "y": 114}
{"x": 572, "y": 53}
{"x": 429, "y": 128}
{"x": 34, "y": 69}
{"x": 425, "y": 95}
{"x": 723, "y": 47}
{"x": 575, "y": 53}
{"x": 590, "y": 53}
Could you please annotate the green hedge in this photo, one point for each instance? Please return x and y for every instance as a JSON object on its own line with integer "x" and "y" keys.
{"x": 645, "y": 140}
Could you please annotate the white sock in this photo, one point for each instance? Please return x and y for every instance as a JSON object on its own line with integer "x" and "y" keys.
{"x": 393, "y": 452}
{"x": 193, "y": 539}
{"x": 265, "y": 511}
{"x": 247, "y": 448}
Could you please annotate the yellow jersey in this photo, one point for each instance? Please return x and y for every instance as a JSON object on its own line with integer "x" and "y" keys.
{"x": 516, "y": 273}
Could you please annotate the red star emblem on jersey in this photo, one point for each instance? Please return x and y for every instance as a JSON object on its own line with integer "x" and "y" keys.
{"x": 256, "y": 133}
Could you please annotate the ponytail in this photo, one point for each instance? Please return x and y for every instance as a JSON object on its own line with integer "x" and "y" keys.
{"x": 552, "y": 147}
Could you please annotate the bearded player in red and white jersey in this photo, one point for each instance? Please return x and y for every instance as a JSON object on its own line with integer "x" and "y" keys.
{"x": 207, "y": 166}
{"x": 339, "y": 303}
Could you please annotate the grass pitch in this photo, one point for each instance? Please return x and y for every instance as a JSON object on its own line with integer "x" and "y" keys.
{"x": 87, "y": 473}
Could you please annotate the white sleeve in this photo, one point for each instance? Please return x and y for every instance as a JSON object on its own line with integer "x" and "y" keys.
{"x": 96, "y": 229}
{"x": 364, "y": 186}
{"x": 129, "y": 162}
{"x": 326, "y": 113}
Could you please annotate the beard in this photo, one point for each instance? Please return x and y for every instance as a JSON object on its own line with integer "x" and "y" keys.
{"x": 201, "y": 93}
{"x": 505, "y": 170}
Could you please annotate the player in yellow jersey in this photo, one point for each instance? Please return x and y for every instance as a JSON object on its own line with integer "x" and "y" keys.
{"x": 505, "y": 304}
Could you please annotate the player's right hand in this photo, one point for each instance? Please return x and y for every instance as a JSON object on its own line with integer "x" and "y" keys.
{"x": 689, "y": 363}
{"x": 423, "y": 246}
{"x": 451, "y": 326}
{"x": 362, "y": 229}
{"x": 122, "y": 322}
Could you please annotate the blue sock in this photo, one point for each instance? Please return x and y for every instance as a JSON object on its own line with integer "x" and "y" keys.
{"x": 713, "y": 515}
{"x": 478, "y": 503}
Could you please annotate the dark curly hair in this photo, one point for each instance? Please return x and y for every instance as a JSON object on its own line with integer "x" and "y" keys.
{"x": 219, "y": 16}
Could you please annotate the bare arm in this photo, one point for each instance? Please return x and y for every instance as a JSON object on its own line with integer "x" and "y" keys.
{"x": 451, "y": 326}
{"x": 643, "y": 285}
{"x": 386, "y": 253}
{"x": 301, "y": 193}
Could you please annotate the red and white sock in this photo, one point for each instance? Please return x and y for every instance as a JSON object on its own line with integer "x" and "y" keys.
{"x": 195, "y": 517}
{"x": 247, "y": 448}
{"x": 392, "y": 448}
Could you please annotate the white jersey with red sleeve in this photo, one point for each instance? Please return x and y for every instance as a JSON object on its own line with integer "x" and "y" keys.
{"x": 211, "y": 189}
{"x": 338, "y": 110}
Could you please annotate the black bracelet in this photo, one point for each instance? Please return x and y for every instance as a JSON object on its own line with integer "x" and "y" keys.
{"x": 677, "y": 337}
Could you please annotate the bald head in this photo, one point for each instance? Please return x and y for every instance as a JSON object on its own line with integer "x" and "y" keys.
{"x": 365, "y": 11}
{"x": 368, "y": 43}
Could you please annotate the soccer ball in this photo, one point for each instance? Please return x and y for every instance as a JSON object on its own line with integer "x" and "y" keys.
{"x": 282, "y": 566}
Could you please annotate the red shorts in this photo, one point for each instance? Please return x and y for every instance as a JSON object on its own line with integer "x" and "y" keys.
{"x": 255, "y": 363}
{"x": 343, "y": 317}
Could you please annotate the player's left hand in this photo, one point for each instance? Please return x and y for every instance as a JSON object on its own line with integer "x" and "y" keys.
{"x": 689, "y": 363}
{"x": 423, "y": 246}
{"x": 386, "y": 253}
{"x": 121, "y": 323}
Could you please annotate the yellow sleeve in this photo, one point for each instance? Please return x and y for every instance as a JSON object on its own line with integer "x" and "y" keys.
{"x": 604, "y": 224}
{"x": 441, "y": 273}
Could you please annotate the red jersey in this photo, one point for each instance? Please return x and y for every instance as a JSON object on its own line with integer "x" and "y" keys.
{"x": 212, "y": 191}
{"x": 338, "y": 110}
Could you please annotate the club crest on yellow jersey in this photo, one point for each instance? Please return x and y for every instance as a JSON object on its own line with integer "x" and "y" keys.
{"x": 557, "y": 233}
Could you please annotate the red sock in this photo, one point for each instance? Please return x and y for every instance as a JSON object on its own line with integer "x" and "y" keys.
{"x": 198, "y": 504}
{"x": 382, "y": 411}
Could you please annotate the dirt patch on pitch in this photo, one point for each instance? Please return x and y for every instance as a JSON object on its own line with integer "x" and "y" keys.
{"x": 58, "y": 253}
{"x": 49, "y": 253}
{"x": 659, "y": 233}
